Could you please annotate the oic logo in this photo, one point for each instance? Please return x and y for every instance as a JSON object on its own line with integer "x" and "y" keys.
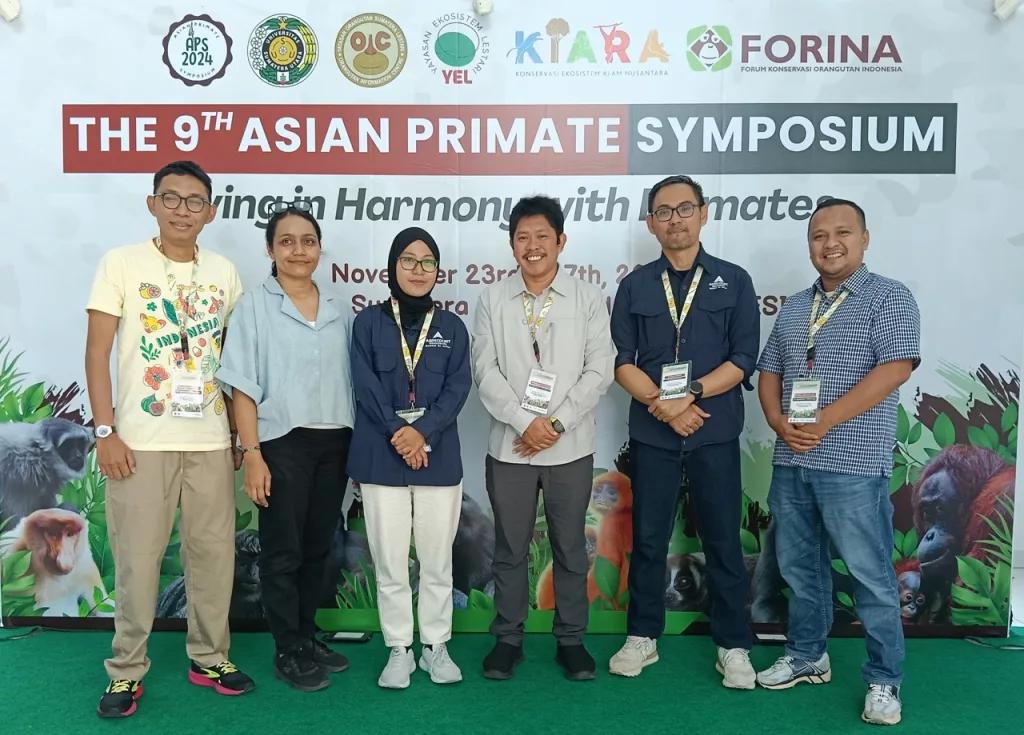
{"x": 709, "y": 48}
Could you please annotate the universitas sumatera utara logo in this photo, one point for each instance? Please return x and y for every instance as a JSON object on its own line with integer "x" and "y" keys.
{"x": 283, "y": 50}
{"x": 197, "y": 50}
{"x": 709, "y": 48}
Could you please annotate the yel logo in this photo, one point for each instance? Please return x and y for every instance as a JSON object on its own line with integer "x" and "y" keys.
{"x": 283, "y": 50}
{"x": 709, "y": 48}
{"x": 371, "y": 50}
{"x": 458, "y": 46}
{"x": 197, "y": 50}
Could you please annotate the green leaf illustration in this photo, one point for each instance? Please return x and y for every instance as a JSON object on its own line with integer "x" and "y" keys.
{"x": 915, "y": 433}
{"x": 910, "y": 543}
{"x": 979, "y": 438}
{"x": 607, "y": 577}
{"x": 19, "y": 585}
{"x": 902, "y": 425}
{"x": 169, "y": 312}
{"x": 16, "y": 565}
{"x": 242, "y": 520}
{"x": 840, "y": 566}
{"x": 944, "y": 431}
{"x": 899, "y": 478}
{"x": 844, "y": 599}
{"x": 898, "y": 459}
{"x": 749, "y": 542}
{"x": 992, "y": 434}
{"x": 479, "y": 601}
{"x": 1009, "y": 418}
{"x": 623, "y": 602}
{"x": 83, "y": 608}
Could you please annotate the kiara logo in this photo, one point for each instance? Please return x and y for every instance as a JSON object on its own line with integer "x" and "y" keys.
{"x": 709, "y": 48}
{"x": 613, "y": 41}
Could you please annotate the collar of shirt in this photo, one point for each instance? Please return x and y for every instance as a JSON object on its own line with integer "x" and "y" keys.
{"x": 702, "y": 259}
{"x": 517, "y": 285}
{"x": 853, "y": 284}
{"x": 327, "y": 312}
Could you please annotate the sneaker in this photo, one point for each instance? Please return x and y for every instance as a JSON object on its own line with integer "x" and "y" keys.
{"x": 401, "y": 664}
{"x": 576, "y": 663}
{"x": 299, "y": 672}
{"x": 224, "y": 678}
{"x": 631, "y": 659}
{"x": 734, "y": 665}
{"x": 787, "y": 672}
{"x": 119, "y": 698}
{"x": 882, "y": 705}
{"x": 327, "y": 658}
{"x": 436, "y": 662}
{"x": 502, "y": 660}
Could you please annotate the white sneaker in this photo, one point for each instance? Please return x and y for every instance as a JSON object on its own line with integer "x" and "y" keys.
{"x": 734, "y": 665}
{"x": 439, "y": 665}
{"x": 634, "y": 656}
{"x": 882, "y": 705}
{"x": 400, "y": 666}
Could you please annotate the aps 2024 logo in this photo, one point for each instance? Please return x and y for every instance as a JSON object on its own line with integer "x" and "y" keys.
{"x": 197, "y": 50}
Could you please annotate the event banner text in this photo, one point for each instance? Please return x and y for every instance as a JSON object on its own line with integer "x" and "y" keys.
{"x": 490, "y": 140}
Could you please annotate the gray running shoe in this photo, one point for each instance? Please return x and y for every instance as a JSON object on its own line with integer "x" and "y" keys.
{"x": 787, "y": 672}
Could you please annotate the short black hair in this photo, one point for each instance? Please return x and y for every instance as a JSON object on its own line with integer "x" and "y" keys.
{"x": 273, "y": 222}
{"x": 545, "y": 206}
{"x": 834, "y": 202}
{"x": 669, "y": 181}
{"x": 184, "y": 168}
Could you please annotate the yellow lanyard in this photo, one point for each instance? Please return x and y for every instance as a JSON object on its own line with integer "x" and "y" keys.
{"x": 817, "y": 322}
{"x": 528, "y": 308}
{"x": 412, "y": 360}
{"x": 183, "y": 305}
{"x": 677, "y": 317}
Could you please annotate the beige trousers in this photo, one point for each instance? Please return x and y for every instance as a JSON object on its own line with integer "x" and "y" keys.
{"x": 140, "y": 518}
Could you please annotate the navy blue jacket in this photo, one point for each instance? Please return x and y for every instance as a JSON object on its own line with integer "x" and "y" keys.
{"x": 724, "y": 324}
{"x": 381, "y": 382}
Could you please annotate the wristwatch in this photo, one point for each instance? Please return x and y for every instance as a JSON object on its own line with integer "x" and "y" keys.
{"x": 697, "y": 390}
{"x": 102, "y": 432}
{"x": 557, "y": 425}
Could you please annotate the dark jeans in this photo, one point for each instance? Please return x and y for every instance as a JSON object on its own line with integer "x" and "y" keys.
{"x": 717, "y": 493}
{"x": 512, "y": 489}
{"x": 307, "y": 486}
{"x": 854, "y": 512}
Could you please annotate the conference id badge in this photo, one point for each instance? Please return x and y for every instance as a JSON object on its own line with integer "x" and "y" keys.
{"x": 675, "y": 380}
{"x": 805, "y": 402}
{"x": 539, "y": 390}
{"x": 187, "y": 395}
{"x": 411, "y": 414}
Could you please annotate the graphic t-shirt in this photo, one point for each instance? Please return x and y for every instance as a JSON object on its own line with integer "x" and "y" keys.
{"x": 148, "y": 292}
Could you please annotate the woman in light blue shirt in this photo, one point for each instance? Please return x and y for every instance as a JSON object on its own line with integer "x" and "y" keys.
{"x": 285, "y": 364}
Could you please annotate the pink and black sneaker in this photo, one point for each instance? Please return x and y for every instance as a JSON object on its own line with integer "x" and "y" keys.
{"x": 119, "y": 698}
{"x": 224, "y": 678}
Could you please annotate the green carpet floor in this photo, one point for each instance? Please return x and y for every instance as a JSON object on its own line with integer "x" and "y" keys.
{"x": 50, "y": 683}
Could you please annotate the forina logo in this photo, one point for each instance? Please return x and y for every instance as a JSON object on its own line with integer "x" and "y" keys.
{"x": 709, "y": 48}
{"x": 810, "y": 53}
{"x": 609, "y": 43}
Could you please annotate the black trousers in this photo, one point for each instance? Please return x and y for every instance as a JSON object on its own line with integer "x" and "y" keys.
{"x": 307, "y": 487}
{"x": 717, "y": 493}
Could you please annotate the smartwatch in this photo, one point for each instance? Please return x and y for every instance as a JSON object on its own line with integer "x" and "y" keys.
{"x": 557, "y": 426}
{"x": 102, "y": 432}
{"x": 697, "y": 390}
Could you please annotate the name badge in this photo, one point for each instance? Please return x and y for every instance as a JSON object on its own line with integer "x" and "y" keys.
{"x": 411, "y": 414}
{"x": 805, "y": 403}
{"x": 539, "y": 390}
{"x": 675, "y": 380}
{"x": 187, "y": 395}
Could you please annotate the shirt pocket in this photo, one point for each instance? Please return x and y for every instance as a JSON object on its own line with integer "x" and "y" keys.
{"x": 654, "y": 330}
{"x": 430, "y": 380}
{"x": 712, "y": 311}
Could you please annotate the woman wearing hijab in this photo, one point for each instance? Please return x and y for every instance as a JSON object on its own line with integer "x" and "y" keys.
{"x": 286, "y": 365}
{"x": 411, "y": 374}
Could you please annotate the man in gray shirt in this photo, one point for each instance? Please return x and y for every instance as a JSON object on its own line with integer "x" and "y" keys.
{"x": 542, "y": 358}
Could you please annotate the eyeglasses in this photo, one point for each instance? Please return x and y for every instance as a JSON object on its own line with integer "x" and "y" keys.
{"x": 664, "y": 214}
{"x": 172, "y": 200}
{"x": 299, "y": 205}
{"x": 429, "y": 265}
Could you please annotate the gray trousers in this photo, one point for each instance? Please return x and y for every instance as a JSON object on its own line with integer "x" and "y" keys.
{"x": 513, "y": 491}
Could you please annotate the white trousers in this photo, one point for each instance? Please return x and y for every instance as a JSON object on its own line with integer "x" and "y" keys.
{"x": 391, "y": 524}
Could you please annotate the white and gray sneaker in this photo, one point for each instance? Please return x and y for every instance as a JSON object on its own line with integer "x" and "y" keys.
{"x": 634, "y": 656}
{"x": 401, "y": 664}
{"x": 436, "y": 662}
{"x": 734, "y": 666}
{"x": 882, "y": 705}
{"x": 788, "y": 671}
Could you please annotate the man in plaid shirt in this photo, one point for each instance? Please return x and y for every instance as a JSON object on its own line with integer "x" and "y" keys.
{"x": 833, "y": 456}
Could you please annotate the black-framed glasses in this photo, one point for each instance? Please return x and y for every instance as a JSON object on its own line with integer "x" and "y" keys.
{"x": 193, "y": 203}
{"x": 664, "y": 214}
{"x": 299, "y": 205}
{"x": 429, "y": 265}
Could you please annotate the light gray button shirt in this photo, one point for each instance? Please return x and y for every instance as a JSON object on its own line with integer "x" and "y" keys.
{"x": 297, "y": 373}
{"x": 575, "y": 344}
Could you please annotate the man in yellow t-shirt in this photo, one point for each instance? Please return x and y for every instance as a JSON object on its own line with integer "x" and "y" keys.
{"x": 170, "y": 440}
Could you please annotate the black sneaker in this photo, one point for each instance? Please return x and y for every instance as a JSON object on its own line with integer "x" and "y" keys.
{"x": 326, "y": 658}
{"x": 119, "y": 698}
{"x": 224, "y": 678}
{"x": 502, "y": 660}
{"x": 299, "y": 672}
{"x": 577, "y": 664}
